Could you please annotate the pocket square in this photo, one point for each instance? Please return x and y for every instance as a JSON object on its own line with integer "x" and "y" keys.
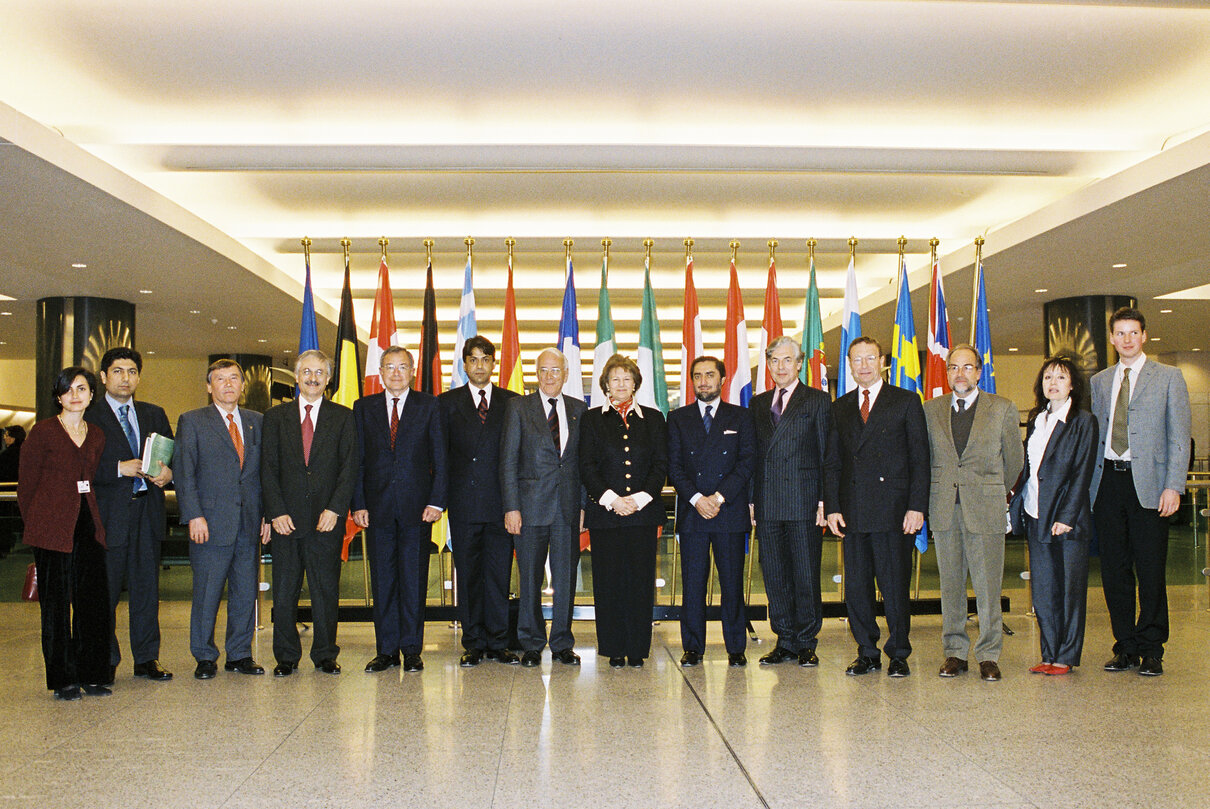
{"x": 730, "y": 432}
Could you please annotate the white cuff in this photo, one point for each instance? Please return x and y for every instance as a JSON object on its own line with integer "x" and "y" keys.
{"x": 606, "y": 500}
{"x": 641, "y": 499}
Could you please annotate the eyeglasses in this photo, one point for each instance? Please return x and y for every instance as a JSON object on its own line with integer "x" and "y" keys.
{"x": 390, "y": 366}
{"x": 966, "y": 369}
{"x": 313, "y": 373}
{"x": 550, "y": 371}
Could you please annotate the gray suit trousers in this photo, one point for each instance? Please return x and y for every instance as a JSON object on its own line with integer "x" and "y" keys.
{"x": 562, "y": 542}
{"x": 213, "y": 566}
{"x": 982, "y": 556}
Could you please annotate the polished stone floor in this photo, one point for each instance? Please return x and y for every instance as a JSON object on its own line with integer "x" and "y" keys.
{"x": 661, "y": 736}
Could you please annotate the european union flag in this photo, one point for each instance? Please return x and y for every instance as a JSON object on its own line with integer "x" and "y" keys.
{"x": 981, "y": 338}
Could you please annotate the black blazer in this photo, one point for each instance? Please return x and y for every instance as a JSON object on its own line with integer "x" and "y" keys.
{"x": 113, "y": 492}
{"x": 627, "y": 458}
{"x": 790, "y": 458}
{"x": 473, "y": 453}
{"x": 290, "y": 486}
{"x": 399, "y": 483}
{"x": 721, "y": 461}
{"x": 1064, "y": 478}
{"x": 877, "y": 471}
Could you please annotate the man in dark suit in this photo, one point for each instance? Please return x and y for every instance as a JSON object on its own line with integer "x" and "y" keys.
{"x": 308, "y": 470}
{"x": 217, "y": 467}
{"x": 543, "y": 505}
{"x": 876, "y": 492}
{"x": 792, "y": 423}
{"x": 1143, "y": 409}
{"x": 473, "y": 417}
{"x": 400, "y": 493}
{"x": 711, "y": 456}
{"x": 132, "y": 507}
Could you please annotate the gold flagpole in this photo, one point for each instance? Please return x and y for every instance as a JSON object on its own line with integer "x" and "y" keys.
{"x": 567, "y": 245}
{"x": 605, "y": 243}
{"x": 975, "y": 292}
{"x": 647, "y": 245}
{"x": 383, "y": 241}
{"x": 345, "y": 244}
{"x": 772, "y": 249}
{"x": 676, "y": 545}
{"x": 734, "y": 245}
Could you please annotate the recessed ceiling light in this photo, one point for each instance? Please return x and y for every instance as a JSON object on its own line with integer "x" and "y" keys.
{"x": 1012, "y": 349}
{"x": 151, "y": 352}
{"x": 1041, "y": 290}
{"x": 6, "y": 314}
{"x": 233, "y": 328}
{"x": 1119, "y": 266}
{"x": 144, "y": 291}
{"x": 261, "y": 340}
{"x": 2, "y": 343}
{"x": 1192, "y": 349}
{"x": 1155, "y": 339}
{"x": 78, "y": 266}
{"x": 1165, "y": 311}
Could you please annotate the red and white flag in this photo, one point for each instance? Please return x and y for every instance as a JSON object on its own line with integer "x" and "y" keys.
{"x": 936, "y": 383}
{"x": 770, "y": 329}
{"x": 383, "y": 334}
{"x": 691, "y": 336}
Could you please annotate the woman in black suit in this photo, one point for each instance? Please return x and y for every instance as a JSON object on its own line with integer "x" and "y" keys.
{"x": 623, "y": 465}
{"x": 1051, "y": 507}
{"x": 63, "y": 526}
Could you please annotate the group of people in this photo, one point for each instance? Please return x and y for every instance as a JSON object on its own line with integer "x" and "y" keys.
{"x": 525, "y": 475}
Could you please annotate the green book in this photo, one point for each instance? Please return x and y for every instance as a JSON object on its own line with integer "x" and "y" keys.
{"x": 155, "y": 449}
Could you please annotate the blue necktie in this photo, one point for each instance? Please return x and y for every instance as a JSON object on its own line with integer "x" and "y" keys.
{"x": 132, "y": 439}
{"x": 707, "y": 419}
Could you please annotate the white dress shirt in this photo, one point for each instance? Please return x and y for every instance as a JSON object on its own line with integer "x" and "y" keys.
{"x": 1135, "y": 368}
{"x": 561, "y": 409}
{"x": 1035, "y": 448}
{"x": 968, "y": 398}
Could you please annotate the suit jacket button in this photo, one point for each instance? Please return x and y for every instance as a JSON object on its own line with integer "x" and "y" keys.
{"x": 627, "y": 488}
{"x": 625, "y": 435}
{"x": 627, "y": 463}
{"x": 625, "y": 449}
{"x": 628, "y": 476}
{"x": 882, "y": 480}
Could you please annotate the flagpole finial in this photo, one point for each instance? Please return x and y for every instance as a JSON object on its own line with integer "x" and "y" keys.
{"x": 306, "y": 246}
{"x": 734, "y": 245}
{"x": 468, "y": 241}
{"x": 852, "y": 246}
{"x": 567, "y": 245}
{"x": 902, "y": 242}
{"x": 428, "y": 250}
{"x": 647, "y": 245}
{"x": 772, "y": 248}
{"x": 345, "y": 243}
{"x": 605, "y": 248}
{"x": 383, "y": 241}
{"x": 509, "y": 244}
{"x": 688, "y": 248}
{"x": 933, "y": 242}
{"x": 978, "y": 249}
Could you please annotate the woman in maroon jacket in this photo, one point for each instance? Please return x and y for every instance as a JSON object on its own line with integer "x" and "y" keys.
{"x": 63, "y": 526}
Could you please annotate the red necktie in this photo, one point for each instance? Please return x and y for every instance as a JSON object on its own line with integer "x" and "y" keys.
{"x": 236, "y": 439}
{"x": 483, "y": 406}
{"x": 865, "y": 406}
{"x": 394, "y": 420}
{"x": 308, "y": 434}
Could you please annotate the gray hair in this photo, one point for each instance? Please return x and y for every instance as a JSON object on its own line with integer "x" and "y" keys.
{"x": 562, "y": 357}
{"x": 312, "y": 354}
{"x": 966, "y": 347}
{"x": 784, "y": 341}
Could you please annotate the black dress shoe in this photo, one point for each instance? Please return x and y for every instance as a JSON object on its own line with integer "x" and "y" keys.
{"x": 898, "y": 667}
{"x": 808, "y": 659}
{"x": 328, "y": 666}
{"x": 412, "y": 663}
{"x": 531, "y": 659}
{"x": 504, "y": 656}
{"x": 634, "y": 662}
{"x": 1121, "y": 662}
{"x": 737, "y": 660}
{"x": 206, "y": 669}
{"x": 566, "y": 656}
{"x": 68, "y": 693}
{"x": 96, "y": 690}
{"x": 780, "y": 654}
{"x": 470, "y": 658}
{"x": 284, "y": 669}
{"x": 382, "y": 663}
{"x": 863, "y": 665}
{"x": 245, "y": 665}
{"x": 152, "y": 670}
{"x": 617, "y": 662}
{"x": 691, "y": 658}
{"x": 1151, "y": 667}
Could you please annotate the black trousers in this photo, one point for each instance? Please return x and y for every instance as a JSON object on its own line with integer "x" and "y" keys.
{"x": 695, "y": 576}
{"x": 399, "y": 578}
{"x": 887, "y": 557}
{"x": 73, "y": 596}
{"x": 318, "y": 556}
{"x": 483, "y": 558}
{"x": 1134, "y": 543}
{"x": 791, "y": 552}
{"x": 623, "y": 589}
{"x": 134, "y": 561}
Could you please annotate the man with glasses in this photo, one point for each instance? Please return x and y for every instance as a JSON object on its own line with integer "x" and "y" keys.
{"x": 400, "y": 493}
{"x": 543, "y": 499}
{"x": 308, "y": 469}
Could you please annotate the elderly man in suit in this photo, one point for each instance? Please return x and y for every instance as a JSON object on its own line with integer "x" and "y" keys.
{"x": 217, "y": 469}
{"x": 400, "y": 493}
{"x": 543, "y": 499}
{"x": 876, "y": 492}
{"x": 792, "y": 422}
{"x": 976, "y": 451}
{"x": 473, "y": 417}
{"x": 132, "y": 507}
{"x": 711, "y": 456}
{"x": 308, "y": 469}
{"x": 1143, "y": 409}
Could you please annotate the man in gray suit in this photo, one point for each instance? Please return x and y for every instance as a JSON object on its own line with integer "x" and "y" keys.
{"x": 543, "y": 498}
{"x": 217, "y": 468}
{"x": 1143, "y": 409}
{"x": 976, "y": 451}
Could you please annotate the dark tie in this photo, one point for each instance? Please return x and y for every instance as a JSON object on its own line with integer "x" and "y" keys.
{"x": 128, "y": 428}
{"x": 1120, "y": 437}
{"x": 552, "y": 421}
{"x": 308, "y": 434}
{"x": 777, "y": 405}
{"x": 961, "y": 405}
{"x": 483, "y": 407}
{"x": 236, "y": 438}
{"x": 708, "y": 419}
{"x": 865, "y": 406}
{"x": 394, "y": 420}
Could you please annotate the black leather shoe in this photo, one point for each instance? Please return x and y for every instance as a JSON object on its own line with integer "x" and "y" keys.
{"x": 691, "y": 658}
{"x": 808, "y": 659}
{"x": 863, "y": 665}
{"x": 531, "y": 659}
{"x": 328, "y": 666}
{"x": 470, "y": 658}
{"x": 634, "y": 662}
{"x": 152, "y": 670}
{"x": 898, "y": 667}
{"x": 566, "y": 656}
{"x": 1151, "y": 667}
{"x": 206, "y": 669}
{"x": 245, "y": 665}
{"x": 284, "y": 669}
{"x": 504, "y": 656}
{"x": 382, "y": 663}
{"x": 96, "y": 690}
{"x": 413, "y": 663}
{"x": 68, "y": 693}
{"x": 617, "y": 662}
{"x": 737, "y": 660}
{"x": 780, "y": 654}
{"x": 1121, "y": 662}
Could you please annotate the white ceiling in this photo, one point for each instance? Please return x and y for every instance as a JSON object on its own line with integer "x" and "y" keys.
{"x": 187, "y": 148}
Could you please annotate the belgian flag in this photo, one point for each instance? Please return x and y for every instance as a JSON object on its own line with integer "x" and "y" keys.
{"x": 346, "y": 382}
